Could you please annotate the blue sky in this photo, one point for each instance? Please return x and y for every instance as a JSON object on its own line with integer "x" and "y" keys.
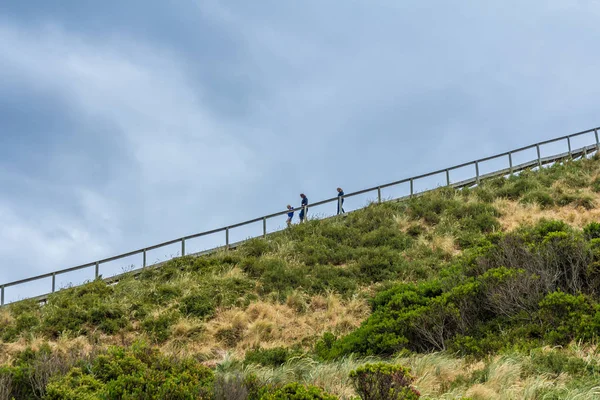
{"x": 123, "y": 124}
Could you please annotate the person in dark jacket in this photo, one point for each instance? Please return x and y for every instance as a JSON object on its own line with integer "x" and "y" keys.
{"x": 304, "y": 212}
{"x": 290, "y": 215}
{"x": 340, "y": 201}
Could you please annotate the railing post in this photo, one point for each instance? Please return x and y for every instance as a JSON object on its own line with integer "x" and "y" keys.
{"x": 597, "y": 142}
{"x": 411, "y": 187}
{"x": 53, "y": 282}
{"x": 537, "y": 147}
{"x": 183, "y": 246}
{"x": 227, "y": 237}
{"x": 510, "y": 163}
{"x": 447, "y": 177}
{"x": 144, "y": 262}
{"x": 569, "y": 144}
{"x": 477, "y": 172}
{"x": 264, "y": 227}
{"x": 379, "y": 195}
{"x": 97, "y": 269}
{"x": 2, "y": 295}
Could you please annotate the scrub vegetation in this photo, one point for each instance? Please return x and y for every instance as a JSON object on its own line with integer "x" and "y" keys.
{"x": 491, "y": 292}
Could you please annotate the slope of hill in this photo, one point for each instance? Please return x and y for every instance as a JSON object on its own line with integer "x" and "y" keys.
{"x": 490, "y": 292}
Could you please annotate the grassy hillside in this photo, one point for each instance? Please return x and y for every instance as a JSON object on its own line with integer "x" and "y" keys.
{"x": 491, "y": 292}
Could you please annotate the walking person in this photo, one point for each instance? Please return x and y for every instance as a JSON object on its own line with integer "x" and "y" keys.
{"x": 304, "y": 211}
{"x": 340, "y": 201}
{"x": 290, "y": 215}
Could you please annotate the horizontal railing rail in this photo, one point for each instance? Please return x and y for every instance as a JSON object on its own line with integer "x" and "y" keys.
{"x": 538, "y": 161}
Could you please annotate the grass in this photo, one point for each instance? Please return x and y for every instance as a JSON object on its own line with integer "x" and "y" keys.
{"x": 444, "y": 376}
{"x": 289, "y": 290}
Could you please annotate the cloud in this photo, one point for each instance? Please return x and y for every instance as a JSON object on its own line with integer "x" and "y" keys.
{"x": 169, "y": 147}
{"x": 126, "y": 128}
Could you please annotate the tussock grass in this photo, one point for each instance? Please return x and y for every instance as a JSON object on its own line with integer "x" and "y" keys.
{"x": 440, "y": 376}
{"x": 271, "y": 324}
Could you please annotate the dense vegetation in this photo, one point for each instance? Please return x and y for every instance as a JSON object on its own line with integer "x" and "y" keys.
{"x": 456, "y": 272}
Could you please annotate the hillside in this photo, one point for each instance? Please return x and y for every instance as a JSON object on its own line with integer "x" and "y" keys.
{"x": 484, "y": 293}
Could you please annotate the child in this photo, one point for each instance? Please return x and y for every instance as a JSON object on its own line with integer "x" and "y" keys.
{"x": 290, "y": 215}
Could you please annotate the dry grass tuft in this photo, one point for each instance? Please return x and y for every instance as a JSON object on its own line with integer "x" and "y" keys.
{"x": 402, "y": 221}
{"x": 445, "y": 244}
{"x": 5, "y": 317}
{"x": 481, "y": 392}
{"x": 271, "y": 324}
{"x": 187, "y": 328}
{"x": 515, "y": 214}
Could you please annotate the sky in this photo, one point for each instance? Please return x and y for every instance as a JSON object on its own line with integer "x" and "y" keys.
{"x": 125, "y": 124}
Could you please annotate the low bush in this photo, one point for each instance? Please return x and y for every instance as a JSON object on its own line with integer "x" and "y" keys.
{"x": 592, "y": 230}
{"x": 518, "y": 186}
{"x": 82, "y": 309}
{"x": 539, "y": 197}
{"x": 384, "y": 382}
{"x": 492, "y": 297}
{"x": 270, "y": 357}
{"x": 159, "y": 327}
{"x": 135, "y": 373}
{"x": 596, "y": 185}
{"x": 255, "y": 247}
{"x": 296, "y": 391}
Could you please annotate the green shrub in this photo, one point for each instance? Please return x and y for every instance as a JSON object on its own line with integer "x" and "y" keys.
{"x": 135, "y": 373}
{"x": 517, "y": 186}
{"x": 295, "y": 391}
{"x": 566, "y": 317}
{"x": 592, "y": 230}
{"x": 485, "y": 194}
{"x": 163, "y": 294}
{"x": 539, "y": 197}
{"x": 324, "y": 278}
{"x": 577, "y": 199}
{"x": 82, "y": 309}
{"x": 198, "y": 304}
{"x": 212, "y": 292}
{"x": 596, "y": 185}
{"x": 323, "y": 346}
{"x": 388, "y": 237}
{"x": 75, "y": 386}
{"x": 255, "y": 247}
{"x": 282, "y": 280}
{"x": 415, "y": 230}
{"x": 379, "y": 264}
{"x": 313, "y": 250}
{"x": 541, "y": 229}
{"x": 383, "y": 382}
{"x": 269, "y": 357}
{"x": 256, "y": 267}
{"x": 159, "y": 327}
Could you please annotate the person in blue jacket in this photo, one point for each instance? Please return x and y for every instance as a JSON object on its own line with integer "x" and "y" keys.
{"x": 340, "y": 201}
{"x": 290, "y": 215}
{"x": 304, "y": 211}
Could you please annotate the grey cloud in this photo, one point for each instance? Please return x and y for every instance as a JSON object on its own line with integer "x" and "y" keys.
{"x": 170, "y": 118}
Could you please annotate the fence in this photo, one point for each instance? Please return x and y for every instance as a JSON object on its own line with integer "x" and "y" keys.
{"x": 476, "y": 166}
